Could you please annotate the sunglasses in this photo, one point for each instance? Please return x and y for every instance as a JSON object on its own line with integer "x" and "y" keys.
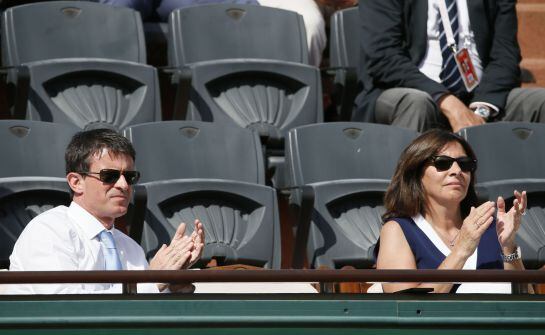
{"x": 111, "y": 176}
{"x": 443, "y": 163}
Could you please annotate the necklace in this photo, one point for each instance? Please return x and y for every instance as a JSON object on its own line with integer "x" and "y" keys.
{"x": 450, "y": 242}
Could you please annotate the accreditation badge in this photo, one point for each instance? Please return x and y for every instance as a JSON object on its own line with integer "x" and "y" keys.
{"x": 466, "y": 68}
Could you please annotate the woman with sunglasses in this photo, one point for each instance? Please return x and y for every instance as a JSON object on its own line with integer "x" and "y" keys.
{"x": 433, "y": 221}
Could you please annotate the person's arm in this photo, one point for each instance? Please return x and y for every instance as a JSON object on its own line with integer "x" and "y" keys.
{"x": 502, "y": 73}
{"x": 395, "y": 252}
{"x": 508, "y": 225}
{"x": 457, "y": 113}
{"x": 382, "y": 40}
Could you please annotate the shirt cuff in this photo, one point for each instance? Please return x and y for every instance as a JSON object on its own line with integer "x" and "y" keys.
{"x": 438, "y": 96}
{"x": 476, "y": 104}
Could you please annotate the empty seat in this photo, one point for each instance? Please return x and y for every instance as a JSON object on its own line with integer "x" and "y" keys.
{"x": 266, "y": 96}
{"x": 79, "y": 62}
{"x": 32, "y": 176}
{"x": 339, "y": 172}
{"x": 510, "y": 157}
{"x": 240, "y": 220}
{"x": 210, "y": 172}
{"x": 235, "y": 31}
{"x": 250, "y": 71}
{"x": 269, "y": 97}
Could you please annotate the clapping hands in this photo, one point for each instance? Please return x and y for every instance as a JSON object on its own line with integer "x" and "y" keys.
{"x": 182, "y": 252}
{"x": 508, "y": 222}
{"x": 474, "y": 226}
{"x": 480, "y": 218}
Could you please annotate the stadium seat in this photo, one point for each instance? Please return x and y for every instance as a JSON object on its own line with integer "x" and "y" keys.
{"x": 32, "y": 175}
{"x": 251, "y": 71}
{"x": 510, "y": 157}
{"x": 213, "y": 173}
{"x": 78, "y": 62}
{"x": 240, "y": 220}
{"x": 235, "y": 31}
{"x": 339, "y": 172}
{"x": 344, "y": 53}
{"x": 266, "y": 96}
{"x": 193, "y": 149}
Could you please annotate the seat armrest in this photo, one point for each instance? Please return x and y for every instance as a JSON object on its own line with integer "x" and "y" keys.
{"x": 303, "y": 227}
{"x": 21, "y": 89}
{"x": 137, "y": 215}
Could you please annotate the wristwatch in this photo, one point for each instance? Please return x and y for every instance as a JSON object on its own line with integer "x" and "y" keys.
{"x": 512, "y": 257}
{"x": 482, "y": 111}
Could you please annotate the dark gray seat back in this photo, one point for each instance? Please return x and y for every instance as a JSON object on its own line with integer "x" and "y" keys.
{"x": 33, "y": 149}
{"x": 85, "y": 64}
{"x": 235, "y": 31}
{"x": 32, "y": 176}
{"x": 346, "y": 167}
{"x": 344, "y": 150}
{"x": 508, "y": 150}
{"x": 192, "y": 149}
{"x": 71, "y": 29}
{"x": 511, "y": 156}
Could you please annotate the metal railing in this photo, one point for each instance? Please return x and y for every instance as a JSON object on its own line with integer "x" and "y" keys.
{"x": 129, "y": 278}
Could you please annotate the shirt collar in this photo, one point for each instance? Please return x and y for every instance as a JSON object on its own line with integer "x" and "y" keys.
{"x": 90, "y": 225}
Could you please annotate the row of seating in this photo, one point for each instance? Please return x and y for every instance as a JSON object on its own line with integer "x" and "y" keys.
{"x": 84, "y": 63}
{"x": 337, "y": 174}
{"x": 343, "y": 170}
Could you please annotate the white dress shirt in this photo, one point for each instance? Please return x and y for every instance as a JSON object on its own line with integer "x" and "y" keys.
{"x": 433, "y": 61}
{"x": 66, "y": 239}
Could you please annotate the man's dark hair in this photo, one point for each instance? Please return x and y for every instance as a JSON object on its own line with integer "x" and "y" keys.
{"x": 85, "y": 144}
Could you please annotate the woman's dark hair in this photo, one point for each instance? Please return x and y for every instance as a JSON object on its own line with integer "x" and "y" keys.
{"x": 87, "y": 143}
{"x": 405, "y": 195}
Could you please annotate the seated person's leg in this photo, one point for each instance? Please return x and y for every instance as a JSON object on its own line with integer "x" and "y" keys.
{"x": 525, "y": 105}
{"x": 409, "y": 108}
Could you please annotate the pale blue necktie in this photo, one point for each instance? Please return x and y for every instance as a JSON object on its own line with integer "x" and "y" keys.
{"x": 111, "y": 258}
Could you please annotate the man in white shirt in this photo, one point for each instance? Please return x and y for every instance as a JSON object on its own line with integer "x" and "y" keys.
{"x": 100, "y": 172}
{"x": 404, "y": 61}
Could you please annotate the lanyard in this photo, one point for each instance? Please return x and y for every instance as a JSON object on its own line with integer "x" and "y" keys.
{"x": 446, "y": 24}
